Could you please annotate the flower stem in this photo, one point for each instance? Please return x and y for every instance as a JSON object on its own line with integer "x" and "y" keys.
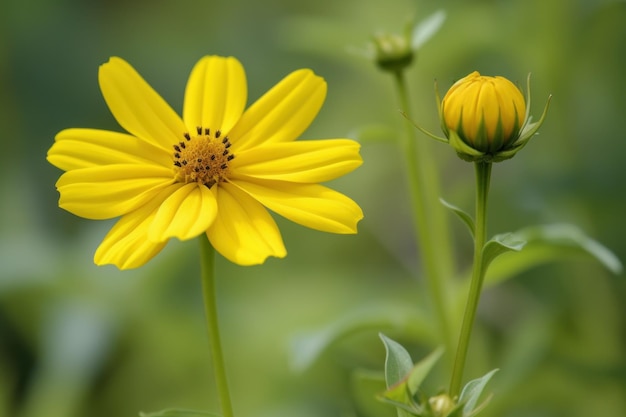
{"x": 431, "y": 227}
{"x": 207, "y": 255}
{"x": 483, "y": 177}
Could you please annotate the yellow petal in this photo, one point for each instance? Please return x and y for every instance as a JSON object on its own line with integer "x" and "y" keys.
{"x": 127, "y": 245}
{"x": 137, "y": 107}
{"x": 216, "y": 94}
{"x": 281, "y": 114}
{"x": 243, "y": 231}
{"x": 104, "y": 192}
{"x": 83, "y": 148}
{"x": 308, "y": 161}
{"x": 185, "y": 214}
{"x": 310, "y": 205}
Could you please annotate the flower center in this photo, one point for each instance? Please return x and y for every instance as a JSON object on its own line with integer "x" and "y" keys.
{"x": 203, "y": 158}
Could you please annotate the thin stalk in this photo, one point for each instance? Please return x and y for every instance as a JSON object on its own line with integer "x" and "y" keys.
{"x": 207, "y": 255}
{"x": 483, "y": 177}
{"x": 431, "y": 226}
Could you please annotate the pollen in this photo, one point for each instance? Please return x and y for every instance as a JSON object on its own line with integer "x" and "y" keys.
{"x": 203, "y": 157}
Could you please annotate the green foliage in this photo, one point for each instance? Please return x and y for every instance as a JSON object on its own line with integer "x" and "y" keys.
{"x": 499, "y": 245}
{"x": 404, "y": 381}
{"x": 550, "y": 243}
{"x": 465, "y": 217}
{"x": 472, "y": 392}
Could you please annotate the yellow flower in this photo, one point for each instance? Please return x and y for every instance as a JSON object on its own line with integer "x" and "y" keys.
{"x": 214, "y": 171}
{"x": 487, "y": 113}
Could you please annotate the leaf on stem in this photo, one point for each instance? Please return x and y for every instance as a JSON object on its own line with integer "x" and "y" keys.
{"x": 500, "y": 244}
{"x": 549, "y": 243}
{"x": 472, "y": 391}
{"x": 463, "y": 215}
{"x": 398, "y": 362}
{"x": 403, "y": 378}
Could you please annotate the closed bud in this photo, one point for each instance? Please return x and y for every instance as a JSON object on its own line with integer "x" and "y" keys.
{"x": 441, "y": 405}
{"x": 393, "y": 52}
{"x": 485, "y": 118}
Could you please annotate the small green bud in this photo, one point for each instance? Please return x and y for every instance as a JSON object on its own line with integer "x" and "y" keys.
{"x": 393, "y": 52}
{"x": 396, "y": 52}
{"x": 441, "y": 405}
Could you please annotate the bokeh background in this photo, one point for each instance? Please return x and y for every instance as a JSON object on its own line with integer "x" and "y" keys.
{"x": 78, "y": 340}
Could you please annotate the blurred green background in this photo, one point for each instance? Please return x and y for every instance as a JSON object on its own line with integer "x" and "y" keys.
{"x": 78, "y": 340}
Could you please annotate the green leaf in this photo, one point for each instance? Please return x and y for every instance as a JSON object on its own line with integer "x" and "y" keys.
{"x": 500, "y": 244}
{"x": 179, "y": 412}
{"x": 403, "y": 378}
{"x": 421, "y": 370}
{"x": 471, "y": 392}
{"x": 464, "y": 216}
{"x": 549, "y": 243}
{"x": 398, "y": 362}
{"x": 425, "y": 29}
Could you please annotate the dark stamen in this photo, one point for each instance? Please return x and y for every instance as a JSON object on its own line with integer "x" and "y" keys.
{"x": 218, "y": 133}
{"x": 207, "y": 131}
{"x": 199, "y": 130}
{"x": 187, "y": 136}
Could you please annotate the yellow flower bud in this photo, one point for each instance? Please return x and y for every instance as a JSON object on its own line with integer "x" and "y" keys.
{"x": 486, "y": 113}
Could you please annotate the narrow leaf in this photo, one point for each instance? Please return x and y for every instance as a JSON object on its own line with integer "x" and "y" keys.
{"x": 179, "y": 412}
{"x": 463, "y": 215}
{"x": 421, "y": 370}
{"x": 500, "y": 244}
{"x": 550, "y": 243}
{"x": 472, "y": 390}
{"x": 425, "y": 29}
{"x": 568, "y": 235}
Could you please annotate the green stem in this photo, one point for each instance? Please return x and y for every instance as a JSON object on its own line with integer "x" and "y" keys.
{"x": 207, "y": 255}
{"x": 483, "y": 177}
{"x": 430, "y": 222}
